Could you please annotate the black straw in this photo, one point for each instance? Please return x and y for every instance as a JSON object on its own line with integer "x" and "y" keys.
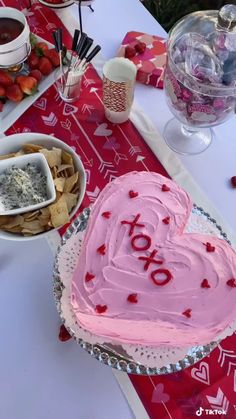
{"x": 80, "y": 17}
{"x": 93, "y": 53}
{"x": 75, "y": 39}
{"x": 88, "y": 44}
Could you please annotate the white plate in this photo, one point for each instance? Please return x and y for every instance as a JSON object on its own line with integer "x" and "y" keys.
{"x": 12, "y": 111}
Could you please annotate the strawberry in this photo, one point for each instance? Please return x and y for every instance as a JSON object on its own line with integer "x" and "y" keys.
{"x": 36, "y": 74}
{"x": 5, "y": 79}
{"x": 33, "y": 61}
{"x": 1, "y": 106}
{"x": 130, "y": 52}
{"x": 140, "y": 47}
{"x": 53, "y": 56}
{"x": 40, "y": 48}
{"x": 27, "y": 84}
{"x": 14, "y": 93}
{"x": 45, "y": 66}
{"x": 2, "y": 92}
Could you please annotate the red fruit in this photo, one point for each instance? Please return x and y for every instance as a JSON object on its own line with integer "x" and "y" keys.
{"x": 133, "y": 194}
{"x": 132, "y": 298}
{"x": 5, "y": 79}
{"x": 165, "y": 188}
{"x": 130, "y": 52}
{"x": 64, "y": 334}
{"x": 89, "y": 277}
{"x": 205, "y": 284}
{"x": 41, "y": 48}
{"x": 1, "y": 106}
{"x": 36, "y": 74}
{"x": 100, "y": 309}
{"x": 27, "y": 84}
{"x": 53, "y": 56}
{"x": 14, "y": 93}
{"x": 187, "y": 313}
{"x": 231, "y": 283}
{"x": 45, "y": 66}
{"x": 233, "y": 181}
{"x": 102, "y": 249}
{"x": 106, "y": 214}
{"x": 2, "y": 92}
{"x": 33, "y": 61}
{"x": 140, "y": 47}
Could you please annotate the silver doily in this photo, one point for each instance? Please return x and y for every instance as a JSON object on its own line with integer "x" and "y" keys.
{"x": 135, "y": 359}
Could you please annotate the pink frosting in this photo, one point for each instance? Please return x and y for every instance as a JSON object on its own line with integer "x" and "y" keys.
{"x": 157, "y": 317}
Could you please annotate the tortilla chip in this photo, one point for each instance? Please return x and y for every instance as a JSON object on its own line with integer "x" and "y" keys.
{"x": 63, "y": 167}
{"x": 30, "y": 216}
{"x": 7, "y": 156}
{"x": 59, "y": 213}
{"x": 31, "y": 148}
{"x": 70, "y": 182}
{"x": 15, "y": 220}
{"x": 53, "y": 156}
{"x": 71, "y": 200}
{"x": 59, "y": 183}
{"x": 67, "y": 158}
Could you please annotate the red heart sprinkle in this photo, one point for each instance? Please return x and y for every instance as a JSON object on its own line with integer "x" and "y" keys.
{"x": 166, "y": 220}
{"x": 187, "y": 312}
{"x": 106, "y": 214}
{"x": 132, "y": 298}
{"x": 209, "y": 247}
{"x": 231, "y": 283}
{"x": 88, "y": 277}
{"x": 205, "y": 284}
{"x": 233, "y": 181}
{"x": 102, "y": 249}
{"x": 64, "y": 335}
{"x": 165, "y": 188}
{"x": 133, "y": 194}
{"x": 100, "y": 309}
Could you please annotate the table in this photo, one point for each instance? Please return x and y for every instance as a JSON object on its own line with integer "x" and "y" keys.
{"x": 39, "y": 376}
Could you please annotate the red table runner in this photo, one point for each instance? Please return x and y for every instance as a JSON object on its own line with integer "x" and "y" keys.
{"x": 108, "y": 151}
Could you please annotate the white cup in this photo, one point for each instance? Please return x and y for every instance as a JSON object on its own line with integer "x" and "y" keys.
{"x": 119, "y": 75}
{"x": 16, "y": 51}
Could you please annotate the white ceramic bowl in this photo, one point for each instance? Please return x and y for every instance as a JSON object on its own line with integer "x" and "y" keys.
{"x": 13, "y": 143}
{"x": 16, "y": 51}
{"x": 20, "y": 162}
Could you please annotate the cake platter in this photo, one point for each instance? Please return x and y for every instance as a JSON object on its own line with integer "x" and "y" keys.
{"x": 130, "y": 358}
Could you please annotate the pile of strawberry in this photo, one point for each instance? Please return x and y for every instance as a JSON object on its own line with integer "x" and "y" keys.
{"x": 41, "y": 62}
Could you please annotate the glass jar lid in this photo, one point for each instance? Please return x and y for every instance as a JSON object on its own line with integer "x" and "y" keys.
{"x": 202, "y": 47}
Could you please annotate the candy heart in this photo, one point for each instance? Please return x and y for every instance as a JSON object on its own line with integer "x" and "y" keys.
{"x": 102, "y": 131}
{"x": 166, "y": 271}
{"x": 158, "y": 395}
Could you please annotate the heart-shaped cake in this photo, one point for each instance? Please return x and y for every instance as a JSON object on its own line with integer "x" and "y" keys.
{"x": 141, "y": 279}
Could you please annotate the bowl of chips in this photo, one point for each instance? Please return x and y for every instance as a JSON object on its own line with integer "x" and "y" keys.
{"x": 69, "y": 180}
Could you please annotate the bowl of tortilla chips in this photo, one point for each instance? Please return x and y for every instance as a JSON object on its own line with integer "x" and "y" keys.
{"x": 69, "y": 180}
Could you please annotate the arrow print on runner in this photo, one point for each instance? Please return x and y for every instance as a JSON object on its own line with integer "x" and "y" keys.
{"x": 93, "y": 194}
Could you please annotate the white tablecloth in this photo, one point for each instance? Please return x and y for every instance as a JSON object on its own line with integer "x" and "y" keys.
{"x": 40, "y": 377}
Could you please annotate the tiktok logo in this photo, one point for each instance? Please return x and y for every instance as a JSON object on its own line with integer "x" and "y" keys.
{"x": 200, "y": 411}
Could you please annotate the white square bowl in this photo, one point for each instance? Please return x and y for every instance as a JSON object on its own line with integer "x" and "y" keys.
{"x": 20, "y": 162}
{"x": 13, "y": 143}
